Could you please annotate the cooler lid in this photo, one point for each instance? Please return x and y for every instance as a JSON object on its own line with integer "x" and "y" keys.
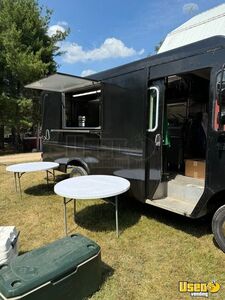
{"x": 61, "y": 82}
{"x": 49, "y": 263}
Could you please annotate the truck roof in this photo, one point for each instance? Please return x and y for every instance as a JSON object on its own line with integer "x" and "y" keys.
{"x": 210, "y": 44}
{"x": 60, "y": 82}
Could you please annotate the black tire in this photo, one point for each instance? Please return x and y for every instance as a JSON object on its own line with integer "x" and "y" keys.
{"x": 218, "y": 227}
{"x": 78, "y": 171}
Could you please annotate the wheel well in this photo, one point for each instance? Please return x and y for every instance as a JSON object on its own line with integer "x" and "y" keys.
{"x": 216, "y": 201}
{"x": 79, "y": 163}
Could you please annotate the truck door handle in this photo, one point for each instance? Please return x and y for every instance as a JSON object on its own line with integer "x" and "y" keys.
{"x": 47, "y": 136}
{"x": 158, "y": 140}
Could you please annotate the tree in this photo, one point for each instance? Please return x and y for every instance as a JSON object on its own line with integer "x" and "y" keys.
{"x": 26, "y": 54}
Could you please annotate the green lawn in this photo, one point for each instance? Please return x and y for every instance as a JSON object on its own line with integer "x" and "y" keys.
{"x": 156, "y": 249}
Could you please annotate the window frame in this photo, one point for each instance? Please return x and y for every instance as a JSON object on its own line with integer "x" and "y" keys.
{"x": 67, "y": 128}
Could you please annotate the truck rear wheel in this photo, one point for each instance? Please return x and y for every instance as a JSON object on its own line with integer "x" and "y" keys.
{"x": 218, "y": 227}
{"x": 78, "y": 171}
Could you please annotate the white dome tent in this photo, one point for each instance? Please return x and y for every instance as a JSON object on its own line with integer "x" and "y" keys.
{"x": 202, "y": 26}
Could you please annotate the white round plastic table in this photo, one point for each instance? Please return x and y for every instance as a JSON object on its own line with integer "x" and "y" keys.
{"x": 20, "y": 169}
{"x": 91, "y": 187}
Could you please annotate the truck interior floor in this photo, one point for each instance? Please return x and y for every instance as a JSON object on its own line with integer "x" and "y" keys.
{"x": 183, "y": 193}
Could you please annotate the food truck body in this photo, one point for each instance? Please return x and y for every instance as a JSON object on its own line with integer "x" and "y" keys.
{"x": 158, "y": 122}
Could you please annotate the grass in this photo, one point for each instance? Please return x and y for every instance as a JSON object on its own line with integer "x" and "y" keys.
{"x": 156, "y": 249}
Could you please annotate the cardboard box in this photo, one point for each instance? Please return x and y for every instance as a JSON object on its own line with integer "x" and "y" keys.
{"x": 195, "y": 168}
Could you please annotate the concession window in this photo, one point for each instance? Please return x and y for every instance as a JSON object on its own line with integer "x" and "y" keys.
{"x": 81, "y": 99}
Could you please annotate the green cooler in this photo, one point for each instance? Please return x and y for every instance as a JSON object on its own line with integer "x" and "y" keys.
{"x": 67, "y": 269}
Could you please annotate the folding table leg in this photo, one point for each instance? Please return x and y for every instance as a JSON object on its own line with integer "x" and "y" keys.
{"x": 47, "y": 176}
{"x": 116, "y": 211}
{"x": 74, "y": 208}
{"x": 19, "y": 175}
{"x": 65, "y": 202}
{"x": 15, "y": 179}
{"x": 53, "y": 175}
{"x": 65, "y": 216}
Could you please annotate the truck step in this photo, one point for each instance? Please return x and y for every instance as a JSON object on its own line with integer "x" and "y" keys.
{"x": 185, "y": 188}
{"x": 173, "y": 204}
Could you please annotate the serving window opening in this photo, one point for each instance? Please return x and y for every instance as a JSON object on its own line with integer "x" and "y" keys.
{"x": 82, "y": 110}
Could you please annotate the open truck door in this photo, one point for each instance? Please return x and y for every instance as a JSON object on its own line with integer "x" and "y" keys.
{"x": 154, "y": 133}
{"x": 216, "y": 155}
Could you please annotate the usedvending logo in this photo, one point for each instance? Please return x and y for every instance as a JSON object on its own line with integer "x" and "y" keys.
{"x": 199, "y": 289}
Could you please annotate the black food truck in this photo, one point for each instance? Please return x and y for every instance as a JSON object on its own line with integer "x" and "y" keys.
{"x": 159, "y": 122}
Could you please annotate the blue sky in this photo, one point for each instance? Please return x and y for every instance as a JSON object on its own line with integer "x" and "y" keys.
{"x": 105, "y": 34}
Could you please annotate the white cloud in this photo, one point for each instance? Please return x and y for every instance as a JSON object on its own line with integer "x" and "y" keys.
{"x": 87, "y": 72}
{"x": 111, "y": 48}
{"x": 60, "y": 26}
{"x": 63, "y": 23}
{"x": 190, "y": 8}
